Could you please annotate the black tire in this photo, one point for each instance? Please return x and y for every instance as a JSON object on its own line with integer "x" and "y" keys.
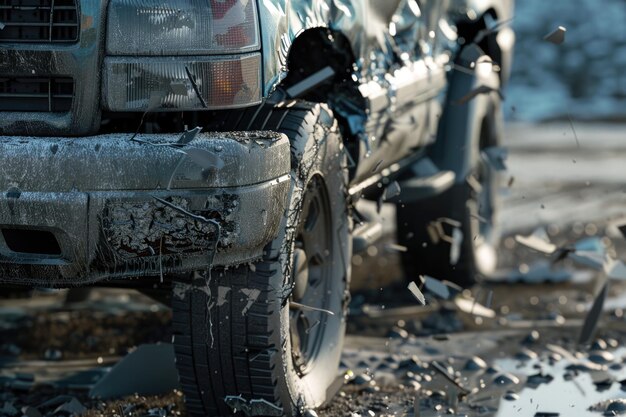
{"x": 232, "y": 331}
{"x": 474, "y": 208}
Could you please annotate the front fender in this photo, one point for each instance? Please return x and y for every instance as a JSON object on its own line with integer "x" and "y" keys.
{"x": 283, "y": 20}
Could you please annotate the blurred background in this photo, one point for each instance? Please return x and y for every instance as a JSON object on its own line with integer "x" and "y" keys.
{"x": 584, "y": 77}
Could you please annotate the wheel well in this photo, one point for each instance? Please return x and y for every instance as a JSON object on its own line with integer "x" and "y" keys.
{"x": 469, "y": 29}
{"x": 315, "y": 49}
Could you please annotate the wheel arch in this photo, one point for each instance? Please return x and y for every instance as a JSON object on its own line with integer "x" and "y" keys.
{"x": 497, "y": 45}
{"x": 319, "y": 47}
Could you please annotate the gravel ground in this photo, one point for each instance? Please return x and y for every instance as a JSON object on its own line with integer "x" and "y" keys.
{"x": 584, "y": 77}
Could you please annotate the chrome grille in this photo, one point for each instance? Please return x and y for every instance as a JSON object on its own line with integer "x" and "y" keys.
{"x": 38, "y": 21}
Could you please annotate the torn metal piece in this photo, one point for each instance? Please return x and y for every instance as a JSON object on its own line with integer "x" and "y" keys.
{"x": 557, "y": 36}
{"x": 309, "y": 83}
{"x": 417, "y": 293}
{"x": 188, "y": 136}
{"x": 255, "y": 407}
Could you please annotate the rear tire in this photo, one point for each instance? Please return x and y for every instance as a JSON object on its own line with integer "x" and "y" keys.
{"x": 235, "y": 330}
{"x": 474, "y": 208}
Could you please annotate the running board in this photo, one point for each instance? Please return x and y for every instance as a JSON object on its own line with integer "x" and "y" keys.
{"x": 427, "y": 181}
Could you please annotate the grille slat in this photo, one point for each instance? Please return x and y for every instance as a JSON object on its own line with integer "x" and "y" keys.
{"x": 40, "y": 94}
{"x": 37, "y": 21}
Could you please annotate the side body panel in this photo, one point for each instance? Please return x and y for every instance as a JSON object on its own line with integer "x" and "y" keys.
{"x": 401, "y": 48}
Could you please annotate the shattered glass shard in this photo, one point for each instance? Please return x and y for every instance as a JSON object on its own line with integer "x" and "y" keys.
{"x": 557, "y": 36}
{"x": 590, "y": 259}
{"x": 393, "y": 247}
{"x": 537, "y": 241}
{"x": 442, "y": 289}
{"x": 455, "y": 246}
{"x": 495, "y": 157}
{"x": 417, "y": 293}
{"x": 615, "y": 270}
{"x": 392, "y": 190}
{"x": 591, "y": 321}
{"x": 472, "y": 307}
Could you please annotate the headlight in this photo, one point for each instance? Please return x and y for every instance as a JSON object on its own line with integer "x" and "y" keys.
{"x": 181, "y": 27}
{"x": 167, "y": 83}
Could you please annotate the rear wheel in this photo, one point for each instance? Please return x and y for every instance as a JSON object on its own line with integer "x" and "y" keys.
{"x": 266, "y": 338}
{"x": 471, "y": 204}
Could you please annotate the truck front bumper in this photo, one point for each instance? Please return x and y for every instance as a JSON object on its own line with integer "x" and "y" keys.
{"x": 79, "y": 210}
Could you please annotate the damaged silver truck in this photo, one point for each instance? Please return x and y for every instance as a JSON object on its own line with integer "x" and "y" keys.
{"x": 213, "y": 154}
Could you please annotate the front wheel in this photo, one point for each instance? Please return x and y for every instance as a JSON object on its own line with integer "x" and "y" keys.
{"x": 266, "y": 338}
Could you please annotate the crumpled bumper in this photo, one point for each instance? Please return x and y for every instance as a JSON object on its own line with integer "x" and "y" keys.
{"x": 80, "y": 210}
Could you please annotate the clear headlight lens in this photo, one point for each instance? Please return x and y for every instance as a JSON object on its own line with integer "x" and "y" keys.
{"x": 181, "y": 27}
{"x": 173, "y": 83}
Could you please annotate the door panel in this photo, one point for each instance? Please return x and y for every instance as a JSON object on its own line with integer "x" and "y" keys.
{"x": 401, "y": 111}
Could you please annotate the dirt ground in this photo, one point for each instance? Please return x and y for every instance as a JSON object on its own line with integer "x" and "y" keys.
{"x": 506, "y": 347}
